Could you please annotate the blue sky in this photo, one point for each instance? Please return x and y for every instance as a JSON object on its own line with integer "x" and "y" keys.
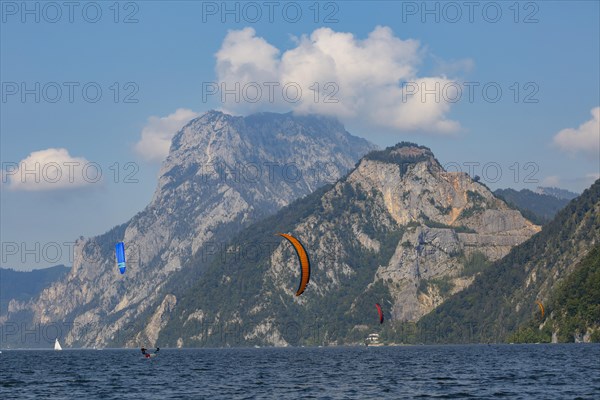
{"x": 164, "y": 57}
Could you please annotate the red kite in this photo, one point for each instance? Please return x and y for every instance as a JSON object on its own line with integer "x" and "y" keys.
{"x": 380, "y": 312}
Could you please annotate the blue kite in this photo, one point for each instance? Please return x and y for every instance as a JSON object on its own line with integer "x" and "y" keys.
{"x": 120, "y": 252}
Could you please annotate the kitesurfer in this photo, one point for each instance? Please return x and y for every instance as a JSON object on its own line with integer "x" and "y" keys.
{"x": 148, "y": 355}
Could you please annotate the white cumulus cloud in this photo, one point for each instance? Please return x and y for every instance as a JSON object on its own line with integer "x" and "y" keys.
{"x": 50, "y": 169}
{"x": 337, "y": 74}
{"x": 585, "y": 139}
{"x": 156, "y": 136}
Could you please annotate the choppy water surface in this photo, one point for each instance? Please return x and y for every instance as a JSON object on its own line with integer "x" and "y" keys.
{"x": 444, "y": 372}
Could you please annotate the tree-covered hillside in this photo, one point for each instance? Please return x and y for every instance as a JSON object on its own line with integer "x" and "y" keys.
{"x": 573, "y": 311}
{"x": 536, "y": 207}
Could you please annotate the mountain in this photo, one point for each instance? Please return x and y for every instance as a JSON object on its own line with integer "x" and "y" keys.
{"x": 558, "y": 267}
{"x": 398, "y": 230}
{"x": 22, "y": 286}
{"x": 575, "y": 303}
{"x": 222, "y": 173}
{"x": 538, "y": 208}
{"x": 560, "y": 194}
{"x": 572, "y": 313}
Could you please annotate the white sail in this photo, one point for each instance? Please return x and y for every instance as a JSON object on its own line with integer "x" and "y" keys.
{"x": 57, "y": 345}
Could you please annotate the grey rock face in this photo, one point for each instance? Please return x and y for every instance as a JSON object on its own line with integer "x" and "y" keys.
{"x": 447, "y": 216}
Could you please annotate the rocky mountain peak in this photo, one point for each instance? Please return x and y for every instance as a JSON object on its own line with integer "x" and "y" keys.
{"x": 447, "y": 219}
{"x": 222, "y": 173}
{"x": 398, "y": 230}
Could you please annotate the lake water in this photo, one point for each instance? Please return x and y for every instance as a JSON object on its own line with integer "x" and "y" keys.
{"x": 441, "y": 372}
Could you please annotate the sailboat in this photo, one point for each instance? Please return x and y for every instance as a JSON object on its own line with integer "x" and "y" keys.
{"x": 57, "y": 345}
